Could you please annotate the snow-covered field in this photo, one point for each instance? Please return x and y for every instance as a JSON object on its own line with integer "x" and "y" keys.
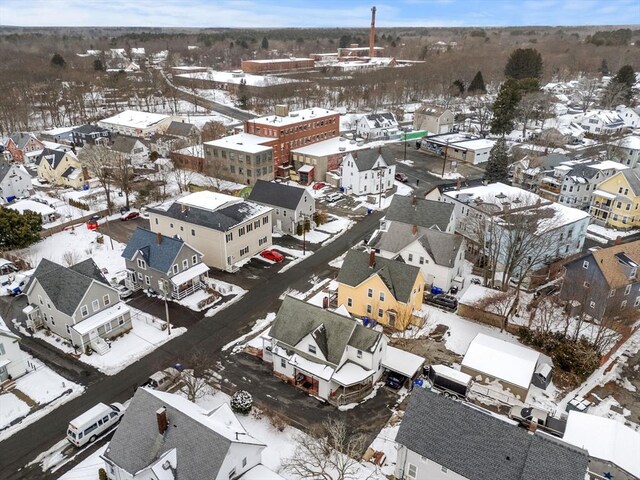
{"x": 46, "y": 389}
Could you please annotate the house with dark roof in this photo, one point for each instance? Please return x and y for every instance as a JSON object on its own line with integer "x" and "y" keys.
{"x": 368, "y": 172}
{"x": 183, "y": 129}
{"x": 326, "y": 354}
{"x": 225, "y": 229}
{"x": 15, "y": 181}
{"x": 22, "y": 146}
{"x": 605, "y": 282}
{"x": 155, "y": 261}
{"x": 133, "y": 149}
{"x": 430, "y": 214}
{"x": 164, "y": 436}
{"x": 441, "y": 439}
{"x": 76, "y": 303}
{"x": 385, "y": 290}
{"x": 90, "y": 135}
{"x": 60, "y": 167}
{"x": 292, "y": 205}
{"x": 378, "y": 126}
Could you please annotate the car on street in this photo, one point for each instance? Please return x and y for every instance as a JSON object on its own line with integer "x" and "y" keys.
{"x": 124, "y": 292}
{"x": 395, "y": 380}
{"x": 162, "y": 380}
{"x": 401, "y": 177}
{"x": 130, "y": 215}
{"x": 92, "y": 224}
{"x": 87, "y": 427}
{"x": 273, "y": 255}
{"x": 319, "y": 185}
{"x": 7, "y": 270}
{"x": 334, "y": 197}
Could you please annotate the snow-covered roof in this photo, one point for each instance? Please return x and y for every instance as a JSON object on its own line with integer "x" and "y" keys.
{"x": 237, "y": 77}
{"x": 632, "y": 141}
{"x": 567, "y": 215}
{"x": 449, "y": 372}
{"x": 244, "y": 142}
{"x": 503, "y": 360}
{"x": 100, "y": 318}
{"x": 208, "y": 200}
{"x": 604, "y": 194}
{"x": 36, "y": 207}
{"x": 479, "y": 144}
{"x": 135, "y": 119}
{"x": 281, "y": 60}
{"x": 607, "y": 164}
{"x": 402, "y": 362}
{"x": 350, "y": 374}
{"x": 320, "y": 370}
{"x": 605, "y": 439}
{"x": 189, "y": 273}
{"x": 296, "y": 116}
{"x": 331, "y": 146}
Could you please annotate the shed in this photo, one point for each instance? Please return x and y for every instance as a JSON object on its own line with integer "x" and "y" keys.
{"x": 402, "y": 362}
{"x": 490, "y": 359}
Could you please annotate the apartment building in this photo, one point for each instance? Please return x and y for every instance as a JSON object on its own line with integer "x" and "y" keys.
{"x": 615, "y": 202}
{"x": 241, "y": 158}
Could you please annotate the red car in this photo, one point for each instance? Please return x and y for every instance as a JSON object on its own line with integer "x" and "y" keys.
{"x": 130, "y": 215}
{"x": 92, "y": 224}
{"x": 272, "y": 255}
{"x": 318, "y": 186}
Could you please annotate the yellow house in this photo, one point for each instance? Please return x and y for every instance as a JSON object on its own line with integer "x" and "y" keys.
{"x": 385, "y": 290}
{"x": 60, "y": 168}
{"x": 616, "y": 202}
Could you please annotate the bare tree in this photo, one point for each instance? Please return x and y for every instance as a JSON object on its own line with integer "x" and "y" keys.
{"x": 195, "y": 377}
{"x": 98, "y": 161}
{"x": 328, "y": 453}
{"x": 122, "y": 175}
{"x": 212, "y": 130}
{"x": 70, "y": 258}
{"x": 586, "y": 93}
{"x": 182, "y": 177}
{"x": 481, "y": 106}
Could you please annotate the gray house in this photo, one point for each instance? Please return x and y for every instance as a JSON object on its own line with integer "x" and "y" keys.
{"x": 134, "y": 149}
{"x": 291, "y": 205}
{"x": 76, "y": 303}
{"x": 14, "y": 181}
{"x": 441, "y": 439}
{"x": 91, "y": 135}
{"x": 604, "y": 282}
{"x": 154, "y": 260}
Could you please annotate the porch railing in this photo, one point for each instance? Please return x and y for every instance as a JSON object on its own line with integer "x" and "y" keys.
{"x": 180, "y": 294}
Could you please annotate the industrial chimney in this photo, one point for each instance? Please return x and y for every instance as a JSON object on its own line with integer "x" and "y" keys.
{"x": 372, "y": 33}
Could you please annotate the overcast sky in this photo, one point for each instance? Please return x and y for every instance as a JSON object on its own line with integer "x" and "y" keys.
{"x": 320, "y": 13}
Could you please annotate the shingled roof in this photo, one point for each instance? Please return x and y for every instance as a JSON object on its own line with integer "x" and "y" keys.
{"x": 610, "y": 262}
{"x": 66, "y": 287}
{"x": 159, "y": 256}
{"x": 366, "y": 159}
{"x": 201, "y": 439}
{"x": 420, "y": 212}
{"x": 276, "y": 194}
{"x": 124, "y": 143}
{"x": 5, "y": 168}
{"x": 399, "y": 277}
{"x": 333, "y": 332}
{"x": 180, "y": 129}
{"x": 477, "y": 446}
{"x": 54, "y": 157}
{"x": 633, "y": 177}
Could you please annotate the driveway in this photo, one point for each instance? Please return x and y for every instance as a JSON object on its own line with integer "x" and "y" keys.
{"x": 122, "y": 231}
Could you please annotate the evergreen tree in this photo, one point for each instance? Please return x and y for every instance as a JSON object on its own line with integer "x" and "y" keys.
{"x": 498, "y": 165}
{"x": 265, "y": 43}
{"x": 505, "y": 108}
{"x": 98, "y": 65}
{"x": 619, "y": 88}
{"x": 477, "y": 84}
{"x": 58, "y": 61}
{"x": 457, "y": 88}
{"x": 524, "y": 63}
{"x": 604, "y": 67}
{"x": 18, "y": 230}
{"x": 625, "y": 76}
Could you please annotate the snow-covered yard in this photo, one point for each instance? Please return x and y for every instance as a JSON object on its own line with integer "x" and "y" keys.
{"x": 603, "y": 235}
{"x": 39, "y": 391}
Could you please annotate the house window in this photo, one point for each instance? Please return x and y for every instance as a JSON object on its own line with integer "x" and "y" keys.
{"x": 193, "y": 232}
{"x": 68, "y": 328}
{"x": 350, "y": 302}
{"x": 2, "y": 350}
{"x": 444, "y": 469}
{"x": 369, "y": 309}
{"x": 627, "y": 290}
{"x": 412, "y": 471}
{"x": 623, "y": 305}
{"x": 359, "y": 353}
{"x": 107, "y": 327}
{"x": 120, "y": 321}
{"x": 370, "y": 292}
{"x": 241, "y": 231}
{"x": 612, "y": 293}
{"x": 585, "y": 264}
{"x": 637, "y": 302}
{"x": 142, "y": 264}
{"x": 185, "y": 264}
{"x": 265, "y": 220}
{"x": 232, "y": 473}
{"x": 592, "y": 304}
{"x": 147, "y": 280}
{"x": 106, "y": 300}
{"x": 380, "y": 313}
{"x": 410, "y": 258}
{"x": 229, "y": 237}
{"x": 84, "y": 311}
{"x": 156, "y": 221}
{"x": 312, "y": 349}
{"x": 175, "y": 269}
{"x": 421, "y": 261}
{"x": 283, "y": 363}
{"x": 382, "y": 296}
{"x": 40, "y": 299}
{"x": 244, "y": 251}
{"x": 139, "y": 276}
{"x": 194, "y": 260}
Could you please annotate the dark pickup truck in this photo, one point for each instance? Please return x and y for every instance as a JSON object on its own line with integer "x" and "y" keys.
{"x": 442, "y": 300}
{"x": 552, "y": 425}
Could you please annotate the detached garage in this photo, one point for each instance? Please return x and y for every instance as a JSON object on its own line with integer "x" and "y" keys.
{"x": 490, "y": 359}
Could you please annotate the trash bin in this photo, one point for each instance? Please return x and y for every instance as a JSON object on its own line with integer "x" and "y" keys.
{"x": 369, "y": 211}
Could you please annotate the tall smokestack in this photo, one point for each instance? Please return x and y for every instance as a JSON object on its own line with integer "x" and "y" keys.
{"x": 372, "y": 33}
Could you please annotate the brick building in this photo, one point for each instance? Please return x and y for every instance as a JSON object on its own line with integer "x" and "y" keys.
{"x": 277, "y": 65}
{"x": 291, "y": 130}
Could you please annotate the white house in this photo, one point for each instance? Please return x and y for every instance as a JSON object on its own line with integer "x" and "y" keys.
{"x": 164, "y": 436}
{"x": 47, "y": 213}
{"x": 627, "y": 150}
{"x": 136, "y": 123}
{"x": 12, "y": 362}
{"x": 133, "y": 149}
{"x": 368, "y": 172}
{"x": 378, "y": 126}
{"x": 291, "y": 205}
{"x": 602, "y": 122}
{"x": 15, "y": 181}
{"x": 630, "y": 118}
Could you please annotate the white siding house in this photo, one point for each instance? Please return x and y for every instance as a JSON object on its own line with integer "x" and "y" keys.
{"x": 368, "y": 172}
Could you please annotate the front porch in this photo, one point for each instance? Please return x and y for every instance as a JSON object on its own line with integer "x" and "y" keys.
{"x": 350, "y": 384}
{"x": 189, "y": 281}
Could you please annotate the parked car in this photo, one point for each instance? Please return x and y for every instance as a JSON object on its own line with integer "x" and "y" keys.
{"x": 395, "y": 380}
{"x": 448, "y": 302}
{"x": 334, "y": 197}
{"x": 92, "y": 224}
{"x": 144, "y": 212}
{"x": 273, "y": 255}
{"x": 130, "y": 215}
{"x": 544, "y": 421}
{"x": 16, "y": 287}
{"x": 92, "y": 423}
{"x": 7, "y": 269}
{"x": 124, "y": 292}
{"x": 401, "y": 177}
{"x": 319, "y": 185}
{"x": 162, "y": 380}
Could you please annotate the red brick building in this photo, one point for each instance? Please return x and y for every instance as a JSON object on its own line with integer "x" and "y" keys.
{"x": 277, "y": 65}
{"x": 291, "y": 130}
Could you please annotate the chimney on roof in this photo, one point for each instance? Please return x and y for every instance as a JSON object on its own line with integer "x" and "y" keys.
{"x": 158, "y": 238}
{"x": 414, "y": 229}
{"x": 414, "y": 200}
{"x": 161, "y": 417}
{"x": 618, "y": 240}
{"x": 184, "y": 208}
{"x": 372, "y": 258}
{"x": 372, "y": 33}
{"x": 533, "y": 425}
{"x": 458, "y": 183}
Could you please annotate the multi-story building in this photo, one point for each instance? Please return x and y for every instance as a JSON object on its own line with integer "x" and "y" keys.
{"x": 368, "y": 172}
{"x": 22, "y": 147}
{"x": 136, "y": 123}
{"x": 277, "y": 65}
{"x": 91, "y": 135}
{"x": 61, "y": 167}
{"x": 627, "y": 150}
{"x": 459, "y": 146}
{"x": 529, "y": 170}
{"x": 602, "y": 122}
{"x": 290, "y": 130}
{"x": 293, "y": 206}
{"x": 615, "y": 202}
{"x": 223, "y": 228}
{"x": 15, "y": 181}
{"x": 378, "y": 126}
{"x": 325, "y": 156}
{"x": 241, "y": 158}
{"x": 435, "y": 120}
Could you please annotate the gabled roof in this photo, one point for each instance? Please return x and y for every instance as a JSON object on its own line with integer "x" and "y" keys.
{"x": 159, "y": 256}
{"x": 54, "y": 157}
{"x": 397, "y": 276}
{"x": 180, "y": 129}
{"x": 5, "y": 168}
{"x": 333, "y": 332}
{"x": 124, "y": 143}
{"x": 67, "y": 286}
{"x": 610, "y": 262}
{"x": 201, "y": 439}
{"x": 633, "y": 178}
{"x": 431, "y": 110}
{"x": 88, "y": 128}
{"x": 276, "y": 194}
{"x": 381, "y": 120}
{"x": 443, "y": 247}
{"x": 366, "y": 159}
{"x": 478, "y": 446}
{"x": 21, "y": 138}
{"x": 425, "y": 213}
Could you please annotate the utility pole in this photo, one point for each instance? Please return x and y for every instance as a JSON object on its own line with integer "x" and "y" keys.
{"x": 405, "y": 144}
{"x": 380, "y": 185}
{"x": 165, "y": 284}
{"x": 304, "y": 235}
{"x": 444, "y": 162}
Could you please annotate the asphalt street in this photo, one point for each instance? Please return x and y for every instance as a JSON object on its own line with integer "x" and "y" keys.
{"x": 206, "y": 334}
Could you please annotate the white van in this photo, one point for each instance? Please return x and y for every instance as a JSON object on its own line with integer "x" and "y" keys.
{"x": 88, "y": 426}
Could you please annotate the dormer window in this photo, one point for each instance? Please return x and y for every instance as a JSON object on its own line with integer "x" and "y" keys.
{"x": 312, "y": 349}
{"x": 142, "y": 264}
